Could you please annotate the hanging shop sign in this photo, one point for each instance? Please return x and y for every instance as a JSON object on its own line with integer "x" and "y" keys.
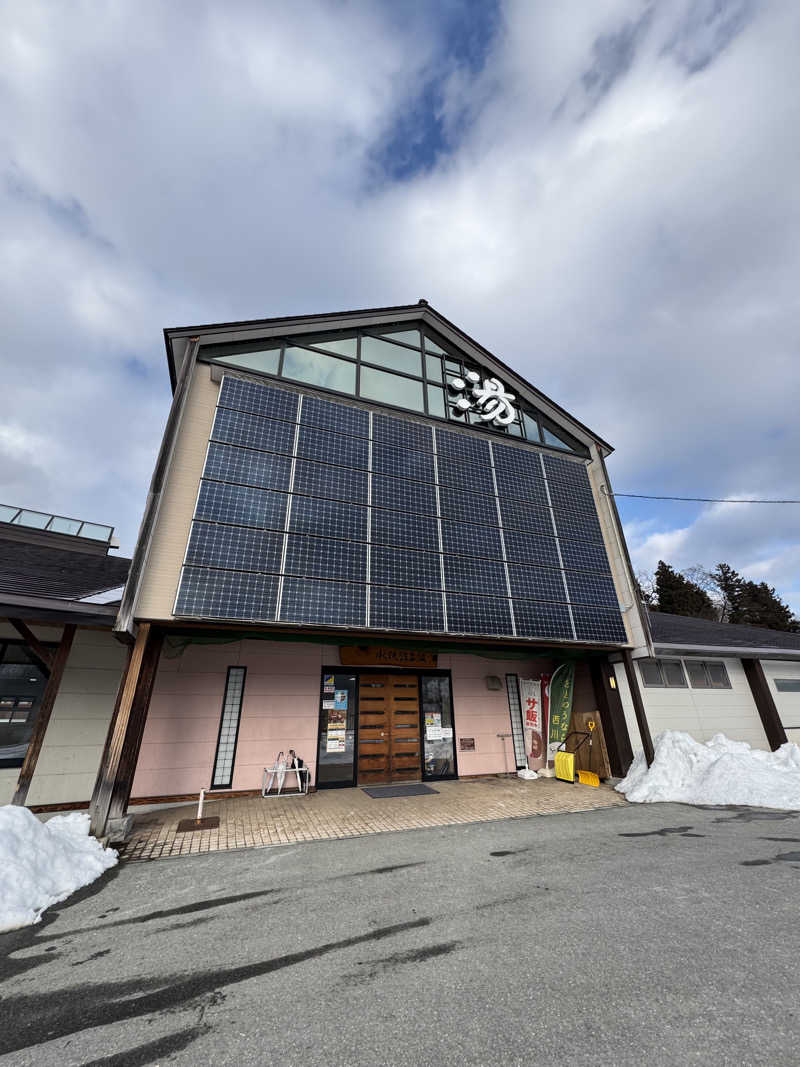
{"x": 382, "y": 655}
{"x": 486, "y": 397}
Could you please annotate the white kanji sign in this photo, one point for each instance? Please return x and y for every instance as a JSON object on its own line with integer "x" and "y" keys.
{"x": 490, "y": 400}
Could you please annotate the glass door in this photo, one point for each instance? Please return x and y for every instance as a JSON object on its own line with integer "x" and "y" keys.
{"x": 337, "y": 730}
{"x": 439, "y": 747}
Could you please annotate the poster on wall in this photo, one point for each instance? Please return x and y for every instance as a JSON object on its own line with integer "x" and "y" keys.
{"x": 561, "y": 687}
{"x": 336, "y": 741}
{"x": 530, "y": 691}
{"x": 433, "y": 726}
{"x": 340, "y": 700}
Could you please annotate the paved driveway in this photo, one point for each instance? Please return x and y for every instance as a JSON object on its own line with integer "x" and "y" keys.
{"x": 660, "y": 934}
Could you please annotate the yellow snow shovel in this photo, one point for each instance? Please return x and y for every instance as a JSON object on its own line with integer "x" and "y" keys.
{"x": 565, "y": 761}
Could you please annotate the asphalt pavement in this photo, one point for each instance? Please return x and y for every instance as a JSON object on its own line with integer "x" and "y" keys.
{"x": 657, "y": 934}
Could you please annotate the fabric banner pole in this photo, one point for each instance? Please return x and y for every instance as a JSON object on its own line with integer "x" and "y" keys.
{"x": 562, "y": 685}
{"x": 531, "y": 698}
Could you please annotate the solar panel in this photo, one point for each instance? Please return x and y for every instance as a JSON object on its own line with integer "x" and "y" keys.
{"x": 403, "y": 496}
{"x": 403, "y": 566}
{"x": 318, "y": 557}
{"x": 326, "y": 603}
{"x": 258, "y": 399}
{"x": 333, "y": 448}
{"x": 328, "y": 518}
{"x": 401, "y": 433}
{"x": 598, "y": 624}
{"x": 402, "y": 463}
{"x": 463, "y": 575}
{"x": 252, "y": 431}
{"x": 327, "y": 415}
{"x": 406, "y": 609}
{"x": 398, "y": 528}
{"x": 538, "y": 619}
{"x": 530, "y": 548}
{"x": 461, "y": 540}
{"x": 216, "y": 594}
{"x": 241, "y": 506}
{"x": 463, "y": 448}
{"x": 536, "y": 583}
{"x": 333, "y": 483}
{"x": 234, "y": 547}
{"x": 244, "y": 466}
{"x": 363, "y": 542}
{"x": 469, "y": 614}
{"x": 468, "y": 507}
{"x": 579, "y": 556}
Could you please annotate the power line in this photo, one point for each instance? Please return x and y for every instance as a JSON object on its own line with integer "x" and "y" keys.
{"x": 700, "y": 499}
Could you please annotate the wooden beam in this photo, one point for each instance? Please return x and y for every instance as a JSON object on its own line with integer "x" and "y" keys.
{"x": 142, "y": 662}
{"x": 765, "y": 704}
{"x": 638, "y": 706}
{"x": 43, "y": 718}
{"x": 612, "y": 716}
{"x": 41, "y": 653}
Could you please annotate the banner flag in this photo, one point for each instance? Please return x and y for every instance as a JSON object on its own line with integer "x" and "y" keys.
{"x": 562, "y": 685}
{"x": 530, "y": 691}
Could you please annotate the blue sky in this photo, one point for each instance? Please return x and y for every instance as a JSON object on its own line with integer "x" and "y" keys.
{"x": 603, "y": 194}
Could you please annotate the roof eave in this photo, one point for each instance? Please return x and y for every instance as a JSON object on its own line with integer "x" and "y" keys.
{"x": 682, "y": 648}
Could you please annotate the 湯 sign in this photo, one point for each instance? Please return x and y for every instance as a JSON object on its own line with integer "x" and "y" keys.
{"x": 486, "y": 397}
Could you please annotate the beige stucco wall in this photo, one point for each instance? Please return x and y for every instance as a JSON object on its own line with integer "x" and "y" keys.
{"x": 70, "y": 756}
{"x": 162, "y": 569}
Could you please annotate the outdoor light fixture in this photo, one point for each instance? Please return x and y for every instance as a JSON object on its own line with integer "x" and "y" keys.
{"x": 612, "y": 681}
{"x": 493, "y": 682}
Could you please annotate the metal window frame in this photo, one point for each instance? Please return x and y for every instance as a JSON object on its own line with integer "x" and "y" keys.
{"x": 663, "y": 684}
{"x": 214, "y": 785}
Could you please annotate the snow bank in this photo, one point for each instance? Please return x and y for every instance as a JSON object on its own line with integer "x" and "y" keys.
{"x": 42, "y": 863}
{"x": 720, "y": 771}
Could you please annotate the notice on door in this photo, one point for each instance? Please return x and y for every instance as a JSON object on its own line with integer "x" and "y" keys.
{"x": 433, "y": 726}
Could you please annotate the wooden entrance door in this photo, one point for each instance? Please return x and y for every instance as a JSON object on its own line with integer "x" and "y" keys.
{"x": 389, "y": 741}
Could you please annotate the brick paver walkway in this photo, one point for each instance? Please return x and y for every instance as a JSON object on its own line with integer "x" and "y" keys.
{"x": 250, "y": 822}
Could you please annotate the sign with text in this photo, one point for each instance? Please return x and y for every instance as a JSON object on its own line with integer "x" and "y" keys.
{"x": 383, "y": 655}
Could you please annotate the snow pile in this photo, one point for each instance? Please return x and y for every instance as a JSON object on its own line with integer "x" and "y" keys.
{"x": 718, "y": 772}
{"x": 42, "y": 863}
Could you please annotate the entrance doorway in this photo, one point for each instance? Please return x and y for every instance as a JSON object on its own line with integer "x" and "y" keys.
{"x": 389, "y": 741}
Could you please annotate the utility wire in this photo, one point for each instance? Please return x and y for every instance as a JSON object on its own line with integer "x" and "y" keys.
{"x": 700, "y": 499}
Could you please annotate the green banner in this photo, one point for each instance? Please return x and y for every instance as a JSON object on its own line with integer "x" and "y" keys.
{"x": 561, "y": 689}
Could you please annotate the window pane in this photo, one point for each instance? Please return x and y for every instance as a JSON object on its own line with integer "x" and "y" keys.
{"x": 22, "y": 686}
{"x": 514, "y": 428}
{"x": 453, "y": 365}
{"x": 67, "y": 526}
{"x": 431, "y": 346}
{"x": 697, "y": 674}
{"x": 408, "y": 337}
{"x": 97, "y": 533}
{"x": 439, "y": 758}
{"x": 787, "y": 685}
{"x": 7, "y": 513}
{"x": 531, "y": 427}
{"x": 436, "y": 401}
{"x": 391, "y": 389}
{"x": 266, "y": 361}
{"x": 346, "y": 346}
{"x": 33, "y": 518}
{"x": 337, "y": 730}
{"x": 433, "y": 367}
{"x": 385, "y": 354}
{"x": 673, "y": 673}
{"x": 718, "y": 676}
{"x": 650, "y": 672}
{"x": 552, "y": 439}
{"x": 316, "y": 369}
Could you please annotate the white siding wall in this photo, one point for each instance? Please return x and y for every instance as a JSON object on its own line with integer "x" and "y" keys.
{"x": 70, "y": 756}
{"x": 788, "y": 704}
{"x": 699, "y": 712}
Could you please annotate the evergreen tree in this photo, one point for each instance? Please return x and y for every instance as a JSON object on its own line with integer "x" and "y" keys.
{"x": 729, "y": 584}
{"x": 680, "y": 596}
{"x": 751, "y": 603}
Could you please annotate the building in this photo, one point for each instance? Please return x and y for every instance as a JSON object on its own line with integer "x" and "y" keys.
{"x": 60, "y": 664}
{"x": 363, "y": 529}
{"x": 711, "y": 677}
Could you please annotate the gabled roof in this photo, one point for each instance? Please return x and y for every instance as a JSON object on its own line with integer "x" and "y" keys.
{"x": 682, "y": 632}
{"x": 176, "y": 339}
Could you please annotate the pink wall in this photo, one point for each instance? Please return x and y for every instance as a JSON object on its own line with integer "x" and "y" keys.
{"x": 281, "y": 708}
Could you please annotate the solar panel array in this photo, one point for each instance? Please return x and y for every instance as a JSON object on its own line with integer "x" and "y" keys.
{"x": 316, "y": 512}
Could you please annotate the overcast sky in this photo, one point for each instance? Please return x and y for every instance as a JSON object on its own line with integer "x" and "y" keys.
{"x": 605, "y": 193}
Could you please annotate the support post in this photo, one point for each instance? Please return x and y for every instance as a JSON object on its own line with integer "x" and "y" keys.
{"x": 612, "y": 716}
{"x": 638, "y": 706}
{"x": 40, "y": 652}
{"x": 59, "y": 662}
{"x": 759, "y": 687}
{"x": 114, "y": 780}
